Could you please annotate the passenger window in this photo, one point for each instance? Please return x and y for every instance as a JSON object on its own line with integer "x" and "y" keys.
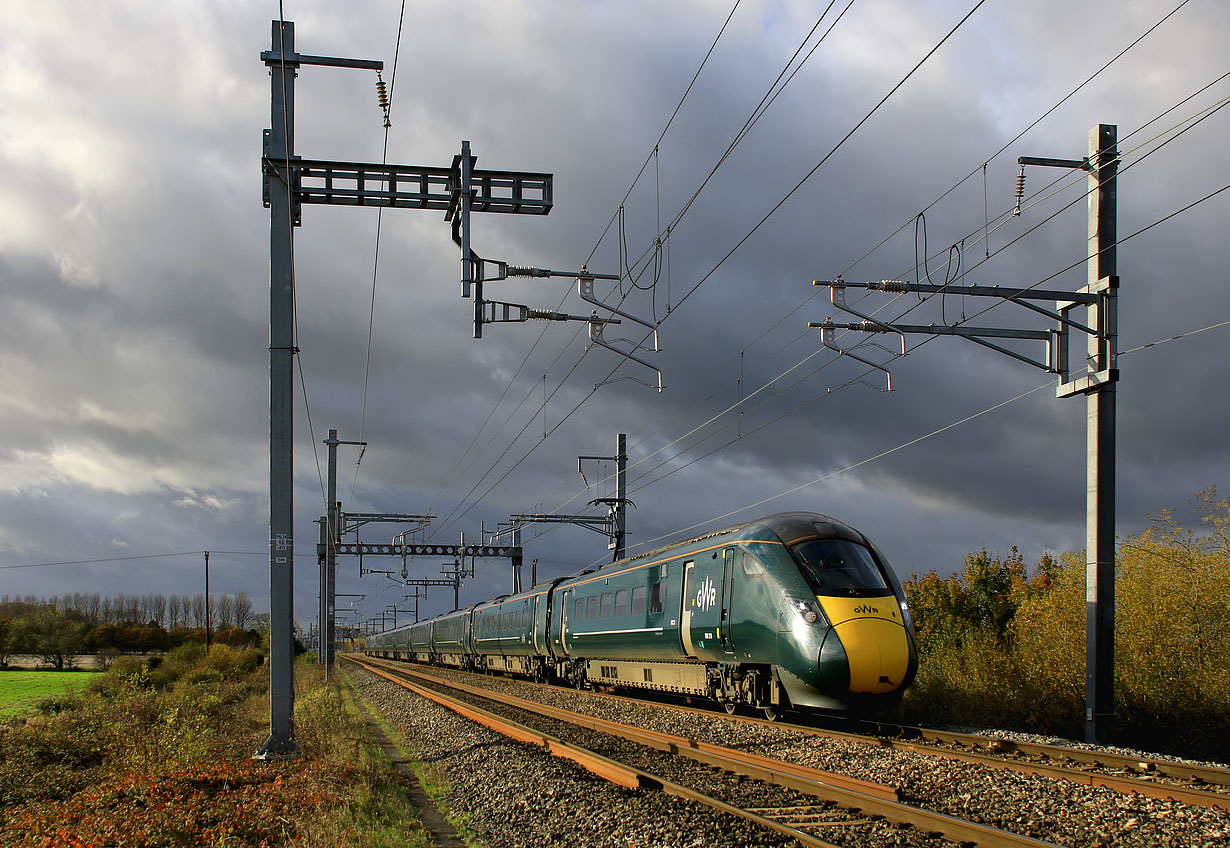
{"x": 655, "y": 598}
{"x": 638, "y": 600}
{"x": 579, "y": 612}
{"x": 621, "y": 603}
{"x": 752, "y": 566}
{"x": 607, "y": 605}
{"x": 591, "y": 607}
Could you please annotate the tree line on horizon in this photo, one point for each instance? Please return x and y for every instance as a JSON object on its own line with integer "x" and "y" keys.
{"x": 169, "y": 611}
{"x": 60, "y": 628}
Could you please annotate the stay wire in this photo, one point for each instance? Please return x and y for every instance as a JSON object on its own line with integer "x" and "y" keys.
{"x": 371, "y": 317}
{"x": 1021, "y": 134}
{"x": 635, "y": 180}
{"x": 1208, "y": 112}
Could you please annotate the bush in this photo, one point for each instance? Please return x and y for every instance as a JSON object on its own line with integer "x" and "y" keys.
{"x": 999, "y": 650}
{"x": 139, "y": 764}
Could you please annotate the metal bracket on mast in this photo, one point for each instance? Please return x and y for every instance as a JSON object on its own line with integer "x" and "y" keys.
{"x": 585, "y": 288}
{"x": 1052, "y": 339}
{"x": 837, "y": 294}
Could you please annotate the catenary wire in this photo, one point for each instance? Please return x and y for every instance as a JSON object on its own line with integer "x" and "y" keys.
{"x": 766, "y": 101}
{"x": 946, "y": 427}
{"x": 1208, "y": 113}
{"x": 1201, "y": 115}
{"x": 1019, "y": 135}
{"x": 575, "y": 334}
{"x": 1001, "y": 219}
{"x": 731, "y": 252}
{"x": 1181, "y": 211}
{"x": 371, "y": 317}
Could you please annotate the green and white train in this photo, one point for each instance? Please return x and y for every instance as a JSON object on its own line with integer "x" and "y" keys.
{"x": 795, "y": 610}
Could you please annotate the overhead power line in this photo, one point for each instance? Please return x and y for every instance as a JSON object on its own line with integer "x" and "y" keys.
{"x": 577, "y": 332}
{"x": 933, "y": 433}
{"x": 371, "y": 317}
{"x": 754, "y": 229}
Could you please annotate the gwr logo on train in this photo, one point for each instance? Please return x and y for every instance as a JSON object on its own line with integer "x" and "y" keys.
{"x": 866, "y": 608}
{"x": 706, "y": 596}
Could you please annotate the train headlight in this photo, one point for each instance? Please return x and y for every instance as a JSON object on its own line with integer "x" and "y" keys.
{"x": 905, "y": 614}
{"x": 807, "y": 609}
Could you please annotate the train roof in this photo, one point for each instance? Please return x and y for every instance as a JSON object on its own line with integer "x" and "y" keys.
{"x": 789, "y": 526}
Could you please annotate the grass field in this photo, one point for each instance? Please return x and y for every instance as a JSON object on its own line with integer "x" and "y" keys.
{"x": 22, "y": 690}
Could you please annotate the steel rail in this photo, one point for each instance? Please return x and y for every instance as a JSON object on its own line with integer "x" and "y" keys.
{"x": 1184, "y": 771}
{"x": 808, "y": 781}
{"x": 999, "y": 749}
{"x": 766, "y": 769}
{"x": 597, "y": 764}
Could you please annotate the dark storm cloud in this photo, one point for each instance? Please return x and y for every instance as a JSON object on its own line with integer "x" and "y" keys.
{"x": 133, "y": 255}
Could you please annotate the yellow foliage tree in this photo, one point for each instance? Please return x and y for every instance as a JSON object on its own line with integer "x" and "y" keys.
{"x": 1173, "y": 618}
{"x": 1000, "y": 650}
{"x": 1172, "y": 634}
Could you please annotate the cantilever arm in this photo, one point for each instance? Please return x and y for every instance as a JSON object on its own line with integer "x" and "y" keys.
{"x": 828, "y": 340}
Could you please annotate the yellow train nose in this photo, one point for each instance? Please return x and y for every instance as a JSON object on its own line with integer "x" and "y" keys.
{"x": 877, "y": 653}
{"x": 873, "y": 635}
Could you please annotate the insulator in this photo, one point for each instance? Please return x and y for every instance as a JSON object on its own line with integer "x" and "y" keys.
{"x": 892, "y": 285}
{"x": 1020, "y": 191}
{"x": 521, "y": 271}
{"x": 382, "y": 96}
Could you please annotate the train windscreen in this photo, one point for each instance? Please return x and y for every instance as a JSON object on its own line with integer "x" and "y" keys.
{"x": 838, "y": 567}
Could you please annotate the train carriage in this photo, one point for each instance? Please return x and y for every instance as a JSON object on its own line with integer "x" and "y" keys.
{"x": 420, "y": 641}
{"x": 506, "y": 633}
{"x": 795, "y": 609}
{"x": 451, "y": 641}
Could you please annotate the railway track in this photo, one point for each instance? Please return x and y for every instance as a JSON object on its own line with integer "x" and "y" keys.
{"x": 1163, "y": 779}
{"x": 1187, "y": 783}
{"x": 805, "y": 804}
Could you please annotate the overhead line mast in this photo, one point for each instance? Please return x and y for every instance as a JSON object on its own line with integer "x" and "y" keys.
{"x": 1100, "y": 297}
{"x": 289, "y": 182}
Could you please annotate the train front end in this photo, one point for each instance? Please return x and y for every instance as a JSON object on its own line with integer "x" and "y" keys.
{"x": 849, "y": 644}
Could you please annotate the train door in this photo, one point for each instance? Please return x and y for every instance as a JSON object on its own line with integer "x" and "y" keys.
{"x": 705, "y": 606}
{"x": 685, "y": 619}
{"x": 565, "y": 599}
{"x": 726, "y": 601}
{"x": 533, "y": 614}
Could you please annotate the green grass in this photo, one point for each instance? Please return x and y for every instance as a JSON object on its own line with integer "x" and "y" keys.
{"x": 21, "y": 691}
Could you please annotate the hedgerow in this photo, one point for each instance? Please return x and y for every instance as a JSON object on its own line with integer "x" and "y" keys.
{"x": 1004, "y": 646}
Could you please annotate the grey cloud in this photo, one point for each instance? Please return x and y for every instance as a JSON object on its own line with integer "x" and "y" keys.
{"x": 134, "y": 275}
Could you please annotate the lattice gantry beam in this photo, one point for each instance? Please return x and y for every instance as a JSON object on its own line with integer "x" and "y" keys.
{"x": 331, "y": 183}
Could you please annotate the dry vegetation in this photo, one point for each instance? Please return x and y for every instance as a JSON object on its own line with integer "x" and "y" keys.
{"x": 1004, "y": 646}
{"x": 159, "y": 754}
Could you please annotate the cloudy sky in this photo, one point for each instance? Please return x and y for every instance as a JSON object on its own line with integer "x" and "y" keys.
{"x": 134, "y": 276}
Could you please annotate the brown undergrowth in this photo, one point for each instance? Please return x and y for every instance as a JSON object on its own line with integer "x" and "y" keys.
{"x": 160, "y": 754}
